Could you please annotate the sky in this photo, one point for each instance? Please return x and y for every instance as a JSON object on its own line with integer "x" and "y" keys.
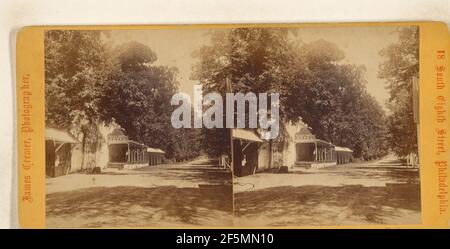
{"x": 361, "y": 46}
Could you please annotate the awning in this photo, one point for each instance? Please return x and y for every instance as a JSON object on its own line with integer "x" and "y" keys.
{"x": 320, "y": 141}
{"x": 60, "y": 136}
{"x": 246, "y": 135}
{"x": 315, "y": 140}
{"x": 155, "y": 150}
{"x": 137, "y": 143}
{"x": 342, "y": 149}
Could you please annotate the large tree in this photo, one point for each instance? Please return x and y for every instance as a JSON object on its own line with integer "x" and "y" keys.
{"x": 89, "y": 82}
{"x": 138, "y": 96}
{"x": 76, "y": 68}
{"x": 314, "y": 85}
{"x": 254, "y": 60}
{"x": 331, "y": 97}
{"x": 401, "y": 65}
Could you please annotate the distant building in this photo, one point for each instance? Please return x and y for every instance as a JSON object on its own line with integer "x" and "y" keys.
{"x": 125, "y": 153}
{"x": 300, "y": 149}
{"x": 66, "y": 154}
{"x": 343, "y": 155}
{"x": 308, "y": 150}
{"x": 155, "y": 156}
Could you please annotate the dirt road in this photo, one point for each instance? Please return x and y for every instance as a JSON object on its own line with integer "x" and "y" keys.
{"x": 382, "y": 192}
{"x": 190, "y": 194}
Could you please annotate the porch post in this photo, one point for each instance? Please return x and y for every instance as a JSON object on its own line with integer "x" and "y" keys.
{"x": 129, "y": 153}
{"x": 316, "y": 151}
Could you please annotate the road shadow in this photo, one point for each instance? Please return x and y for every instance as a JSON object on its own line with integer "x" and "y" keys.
{"x": 213, "y": 175}
{"x": 397, "y": 174}
{"x": 127, "y": 206}
{"x": 386, "y": 174}
{"x": 211, "y": 162}
{"x": 327, "y": 205}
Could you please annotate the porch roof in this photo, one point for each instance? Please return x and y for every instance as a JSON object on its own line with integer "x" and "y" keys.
{"x": 155, "y": 150}
{"x": 60, "y": 136}
{"x": 342, "y": 149}
{"x": 246, "y": 135}
{"x": 316, "y": 140}
{"x": 135, "y": 143}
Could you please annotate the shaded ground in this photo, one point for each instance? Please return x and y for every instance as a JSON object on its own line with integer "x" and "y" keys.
{"x": 197, "y": 193}
{"x": 383, "y": 192}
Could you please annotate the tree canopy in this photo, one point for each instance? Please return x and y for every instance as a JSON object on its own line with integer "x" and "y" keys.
{"x": 401, "y": 65}
{"x": 314, "y": 85}
{"x": 89, "y": 82}
{"x": 75, "y": 76}
{"x": 138, "y": 99}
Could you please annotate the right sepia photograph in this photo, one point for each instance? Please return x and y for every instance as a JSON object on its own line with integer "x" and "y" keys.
{"x": 346, "y": 150}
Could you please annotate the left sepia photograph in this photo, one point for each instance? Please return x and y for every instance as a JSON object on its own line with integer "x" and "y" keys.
{"x": 113, "y": 157}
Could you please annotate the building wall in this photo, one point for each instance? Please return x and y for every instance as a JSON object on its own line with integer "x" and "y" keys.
{"x": 103, "y": 152}
{"x": 245, "y": 162}
{"x": 101, "y": 155}
{"x": 343, "y": 157}
{"x": 155, "y": 158}
{"x": 57, "y": 163}
{"x": 264, "y": 156}
{"x": 251, "y": 158}
{"x": 77, "y": 157}
{"x": 289, "y": 154}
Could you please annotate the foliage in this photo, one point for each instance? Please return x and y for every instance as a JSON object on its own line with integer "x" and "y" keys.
{"x": 74, "y": 81}
{"x": 89, "y": 82}
{"x": 332, "y": 99}
{"x": 137, "y": 98}
{"x": 399, "y": 68}
{"x": 253, "y": 59}
{"x": 74, "y": 77}
{"x": 313, "y": 84}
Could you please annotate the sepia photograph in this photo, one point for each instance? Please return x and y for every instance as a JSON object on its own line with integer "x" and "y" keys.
{"x": 113, "y": 157}
{"x": 346, "y": 153}
{"x": 232, "y": 126}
